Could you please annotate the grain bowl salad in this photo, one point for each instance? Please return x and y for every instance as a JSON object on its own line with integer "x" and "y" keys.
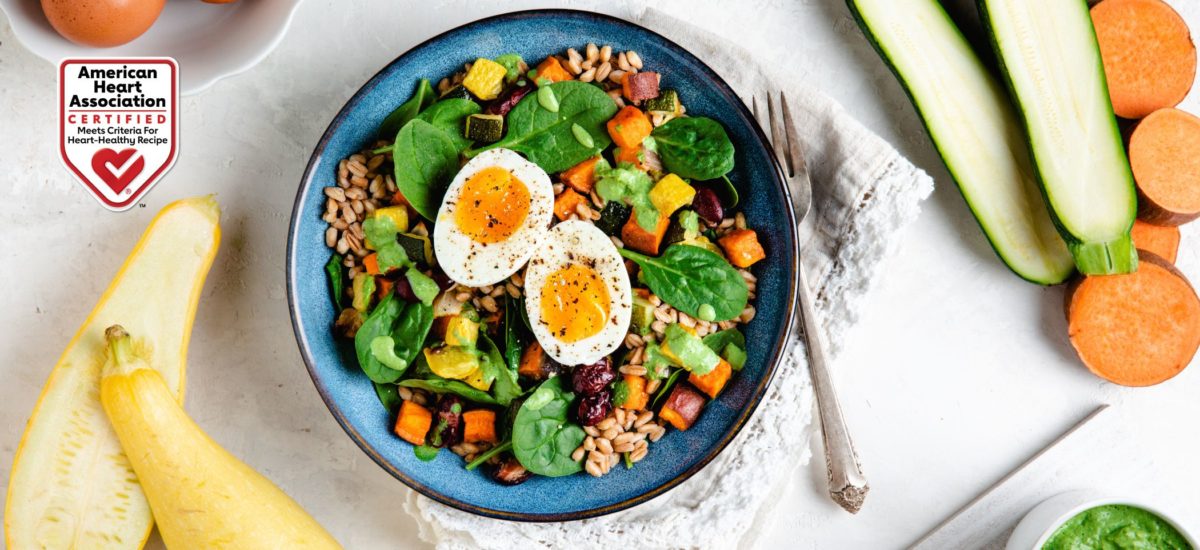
{"x": 543, "y": 269}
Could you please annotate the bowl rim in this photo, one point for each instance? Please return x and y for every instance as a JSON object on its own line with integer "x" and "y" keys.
{"x": 775, "y": 357}
{"x": 1084, "y": 500}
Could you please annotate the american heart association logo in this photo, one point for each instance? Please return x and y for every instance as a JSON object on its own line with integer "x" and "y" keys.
{"x": 118, "y": 169}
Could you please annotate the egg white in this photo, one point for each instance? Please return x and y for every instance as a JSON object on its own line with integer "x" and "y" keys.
{"x": 581, "y": 243}
{"x": 473, "y": 263}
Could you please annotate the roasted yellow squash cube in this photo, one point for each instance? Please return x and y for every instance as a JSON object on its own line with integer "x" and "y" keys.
{"x": 485, "y": 79}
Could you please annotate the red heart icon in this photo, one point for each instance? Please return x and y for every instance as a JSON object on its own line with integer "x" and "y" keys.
{"x": 106, "y": 160}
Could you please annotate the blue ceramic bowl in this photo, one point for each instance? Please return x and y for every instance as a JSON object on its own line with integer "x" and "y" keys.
{"x": 350, "y": 395}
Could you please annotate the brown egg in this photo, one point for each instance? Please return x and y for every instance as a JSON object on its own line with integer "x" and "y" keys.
{"x": 101, "y": 23}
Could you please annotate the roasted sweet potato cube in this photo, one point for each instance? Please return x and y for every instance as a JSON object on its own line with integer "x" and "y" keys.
{"x": 567, "y": 204}
{"x": 535, "y": 363}
{"x": 639, "y": 86}
{"x": 582, "y": 176}
{"x": 412, "y": 424}
{"x": 629, "y": 127}
{"x": 682, "y": 407}
{"x": 551, "y": 68}
{"x": 479, "y": 426}
{"x": 742, "y": 247}
{"x": 714, "y": 380}
{"x": 646, "y": 242}
{"x": 638, "y": 398}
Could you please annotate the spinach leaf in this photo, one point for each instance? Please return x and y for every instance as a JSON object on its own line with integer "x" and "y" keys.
{"x": 546, "y": 137}
{"x": 425, "y": 453}
{"x": 524, "y": 313}
{"x": 688, "y": 277}
{"x": 337, "y": 281}
{"x": 425, "y": 158}
{"x": 454, "y": 387}
{"x": 410, "y": 331}
{"x": 378, "y": 324}
{"x": 514, "y": 340}
{"x": 422, "y": 98}
{"x": 727, "y": 192}
{"x": 735, "y": 356}
{"x": 543, "y": 439}
{"x": 451, "y": 116}
{"x": 694, "y": 148}
{"x": 388, "y": 396}
{"x": 405, "y": 324}
{"x": 666, "y": 387}
{"x": 718, "y": 340}
{"x": 505, "y": 386}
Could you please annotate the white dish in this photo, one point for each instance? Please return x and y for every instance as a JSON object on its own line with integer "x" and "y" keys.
{"x": 209, "y": 41}
{"x": 1044, "y": 519}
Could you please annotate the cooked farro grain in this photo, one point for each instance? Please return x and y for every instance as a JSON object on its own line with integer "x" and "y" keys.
{"x": 633, "y": 370}
{"x": 593, "y": 469}
{"x": 603, "y": 71}
{"x": 634, "y": 59}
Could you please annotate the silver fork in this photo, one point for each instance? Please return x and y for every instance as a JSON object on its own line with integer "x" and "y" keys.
{"x": 847, "y": 484}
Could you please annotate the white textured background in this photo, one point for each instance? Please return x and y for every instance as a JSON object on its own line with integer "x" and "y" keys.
{"x": 957, "y": 373}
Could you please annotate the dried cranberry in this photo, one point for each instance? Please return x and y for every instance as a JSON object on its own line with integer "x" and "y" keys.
{"x": 403, "y": 290}
{"x": 708, "y": 205}
{"x": 592, "y": 379}
{"x": 511, "y": 472}
{"x": 448, "y": 431}
{"x": 505, "y": 103}
{"x": 594, "y": 408}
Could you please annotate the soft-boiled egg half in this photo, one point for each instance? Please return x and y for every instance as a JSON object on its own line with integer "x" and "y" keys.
{"x": 577, "y": 294}
{"x": 492, "y": 218}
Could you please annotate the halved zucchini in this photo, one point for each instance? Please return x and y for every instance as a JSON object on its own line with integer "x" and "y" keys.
{"x": 1051, "y": 62}
{"x": 974, "y": 128}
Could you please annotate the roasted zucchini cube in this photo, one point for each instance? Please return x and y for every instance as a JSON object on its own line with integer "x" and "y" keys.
{"x": 417, "y": 247}
{"x": 485, "y": 128}
{"x": 666, "y": 103}
{"x": 457, "y": 92}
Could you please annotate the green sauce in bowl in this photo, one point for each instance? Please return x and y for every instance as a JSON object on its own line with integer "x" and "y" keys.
{"x": 1116, "y": 527}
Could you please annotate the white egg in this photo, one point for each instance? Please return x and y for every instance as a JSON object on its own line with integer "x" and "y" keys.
{"x": 492, "y": 218}
{"x": 577, "y": 294}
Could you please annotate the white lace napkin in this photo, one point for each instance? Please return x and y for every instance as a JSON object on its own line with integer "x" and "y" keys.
{"x": 864, "y": 193}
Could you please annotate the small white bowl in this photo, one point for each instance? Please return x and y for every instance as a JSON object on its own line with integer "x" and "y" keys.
{"x": 209, "y": 41}
{"x": 1044, "y": 519}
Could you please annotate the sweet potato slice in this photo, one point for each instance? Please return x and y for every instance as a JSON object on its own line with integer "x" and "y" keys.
{"x": 1137, "y": 329}
{"x": 1149, "y": 57}
{"x": 1164, "y": 152}
{"x": 1159, "y": 239}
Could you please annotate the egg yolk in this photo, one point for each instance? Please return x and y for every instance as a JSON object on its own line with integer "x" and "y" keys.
{"x": 492, "y": 205}
{"x": 574, "y": 303}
